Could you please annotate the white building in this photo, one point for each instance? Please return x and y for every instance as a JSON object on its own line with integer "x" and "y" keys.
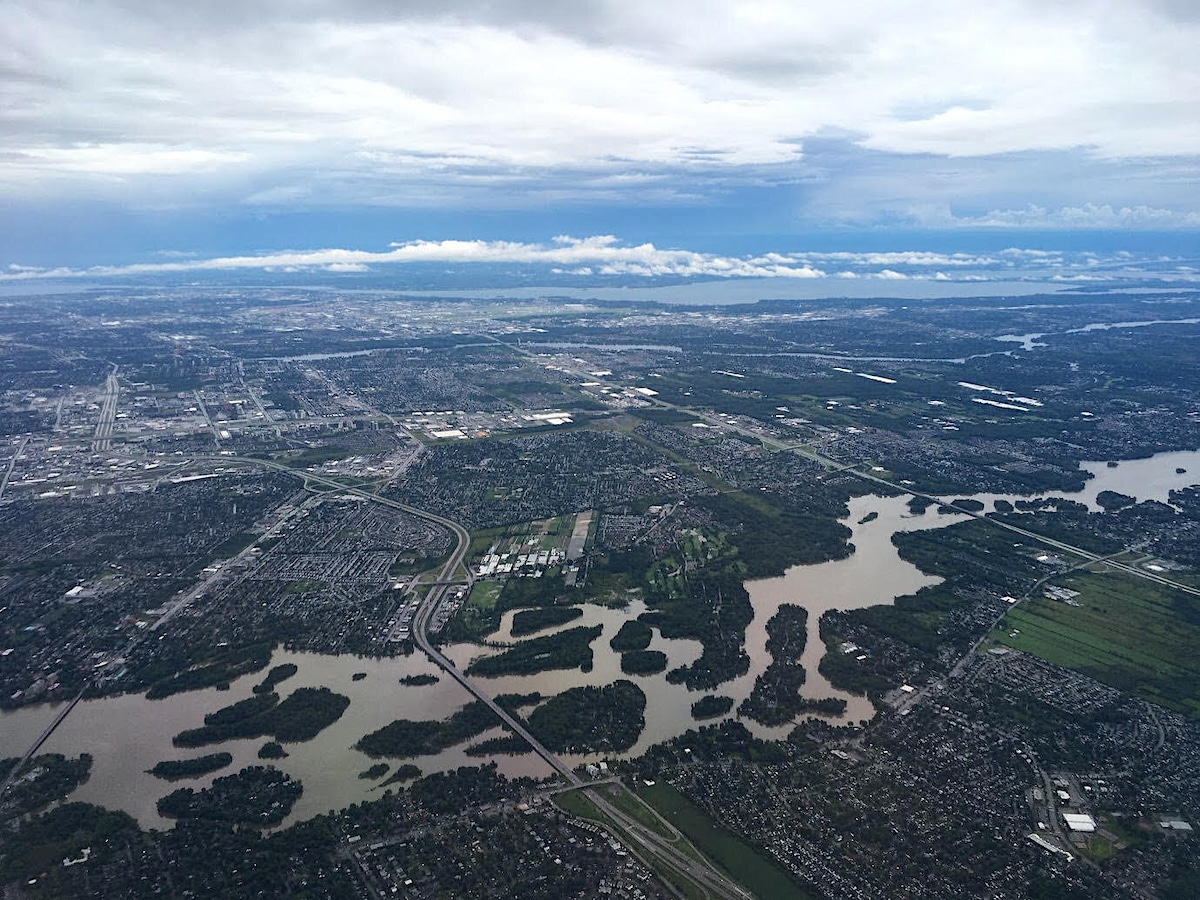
{"x": 1079, "y": 822}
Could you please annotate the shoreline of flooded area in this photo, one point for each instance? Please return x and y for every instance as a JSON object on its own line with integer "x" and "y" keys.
{"x": 876, "y": 575}
{"x": 129, "y": 734}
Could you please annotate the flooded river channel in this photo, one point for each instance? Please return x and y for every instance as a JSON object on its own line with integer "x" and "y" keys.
{"x": 128, "y": 735}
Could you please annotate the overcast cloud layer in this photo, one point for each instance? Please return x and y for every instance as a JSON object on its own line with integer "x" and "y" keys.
{"x": 1041, "y": 114}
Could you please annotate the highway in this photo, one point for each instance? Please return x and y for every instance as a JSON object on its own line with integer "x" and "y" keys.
{"x": 102, "y": 439}
{"x": 853, "y": 469}
{"x": 691, "y": 865}
{"x": 445, "y": 576}
{"x": 212, "y": 426}
{"x": 421, "y": 636}
{"x": 464, "y": 538}
{"x": 455, "y": 561}
{"x": 420, "y": 632}
{"x": 676, "y": 852}
{"x": 45, "y": 736}
{"x": 1015, "y": 529}
{"x": 11, "y": 465}
{"x": 671, "y": 852}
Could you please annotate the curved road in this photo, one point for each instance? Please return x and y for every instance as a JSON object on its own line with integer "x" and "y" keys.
{"x": 693, "y": 867}
{"x": 672, "y": 851}
{"x": 690, "y": 865}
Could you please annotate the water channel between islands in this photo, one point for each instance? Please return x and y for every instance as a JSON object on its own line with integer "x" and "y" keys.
{"x": 127, "y": 735}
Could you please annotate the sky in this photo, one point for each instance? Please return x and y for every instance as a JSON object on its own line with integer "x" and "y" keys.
{"x": 698, "y": 138}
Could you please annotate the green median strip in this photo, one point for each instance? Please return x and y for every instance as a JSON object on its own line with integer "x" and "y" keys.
{"x": 578, "y": 804}
{"x": 763, "y": 877}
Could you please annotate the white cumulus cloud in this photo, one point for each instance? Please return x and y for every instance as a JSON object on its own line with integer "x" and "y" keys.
{"x": 601, "y": 254}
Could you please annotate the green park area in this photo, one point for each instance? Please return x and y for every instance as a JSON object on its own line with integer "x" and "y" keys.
{"x": 745, "y": 864}
{"x": 484, "y": 594}
{"x": 578, "y": 803}
{"x": 1129, "y": 632}
{"x": 697, "y": 549}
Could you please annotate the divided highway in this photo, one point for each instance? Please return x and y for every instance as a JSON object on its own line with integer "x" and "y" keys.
{"x": 102, "y": 439}
{"x": 674, "y": 854}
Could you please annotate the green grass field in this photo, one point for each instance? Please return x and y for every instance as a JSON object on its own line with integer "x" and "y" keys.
{"x": 668, "y": 574}
{"x": 764, "y": 878}
{"x": 578, "y": 804}
{"x": 484, "y": 594}
{"x": 631, "y": 806}
{"x": 482, "y": 539}
{"x": 1131, "y": 633}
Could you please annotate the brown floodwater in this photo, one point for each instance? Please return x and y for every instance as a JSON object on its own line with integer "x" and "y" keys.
{"x": 127, "y": 735}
